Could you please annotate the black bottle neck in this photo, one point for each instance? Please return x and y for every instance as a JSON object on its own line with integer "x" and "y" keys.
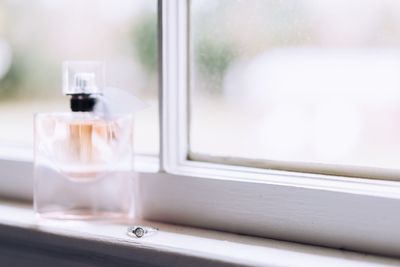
{"x": 82, "y": 102}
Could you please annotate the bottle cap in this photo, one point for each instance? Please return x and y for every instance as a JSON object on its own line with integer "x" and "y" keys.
{"x": 83, "y": 77}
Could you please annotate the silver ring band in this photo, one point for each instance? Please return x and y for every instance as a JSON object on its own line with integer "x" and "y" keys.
{"x": 140, "y": 231}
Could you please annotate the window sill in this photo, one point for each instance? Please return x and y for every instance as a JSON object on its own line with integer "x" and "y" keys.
{"x": 352, "y": 214}
{"x": 24, "y": 240}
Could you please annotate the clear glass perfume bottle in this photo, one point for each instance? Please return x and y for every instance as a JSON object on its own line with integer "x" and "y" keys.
{"x": 83, "y": 160}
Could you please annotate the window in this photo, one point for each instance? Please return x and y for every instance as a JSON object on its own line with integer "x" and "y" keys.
{"x": 200, "y": 189}
{"x": 36, "y": 37}
{"x": 296, "y": 85}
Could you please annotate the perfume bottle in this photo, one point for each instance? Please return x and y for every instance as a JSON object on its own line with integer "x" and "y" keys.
{"x": 83, "y": 160}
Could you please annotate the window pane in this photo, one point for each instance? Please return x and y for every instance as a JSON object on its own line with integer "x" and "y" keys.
{"x": 296, "y": 81}
{"x": 37, "y": 36}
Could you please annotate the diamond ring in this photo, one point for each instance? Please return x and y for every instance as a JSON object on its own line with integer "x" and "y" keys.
{"x": 140, "y": 231}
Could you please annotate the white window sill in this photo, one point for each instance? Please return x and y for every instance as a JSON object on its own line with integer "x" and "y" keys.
{"x": 351, "y": 214}
{"x": 23, "y": 239}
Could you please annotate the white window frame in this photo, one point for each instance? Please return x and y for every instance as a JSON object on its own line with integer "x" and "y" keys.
{"x": 339, "y": 212}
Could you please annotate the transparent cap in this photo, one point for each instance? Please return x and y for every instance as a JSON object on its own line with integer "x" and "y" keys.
{"x": 83, "y": 77}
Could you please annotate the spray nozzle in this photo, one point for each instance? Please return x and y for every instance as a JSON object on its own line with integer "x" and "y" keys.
{"x": 85, "y": 82}
{"x": 83, "y": 77}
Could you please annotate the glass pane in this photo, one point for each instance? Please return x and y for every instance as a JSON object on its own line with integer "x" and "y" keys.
{"x": 296, "y": 81}
{"x": 37, "y": 36}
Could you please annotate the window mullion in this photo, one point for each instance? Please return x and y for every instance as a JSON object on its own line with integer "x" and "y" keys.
{"x": 174, "y": 83}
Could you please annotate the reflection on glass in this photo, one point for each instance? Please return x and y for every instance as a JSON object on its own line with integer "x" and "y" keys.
{"x": 296, "y": 80}
{"x": 37, "y": 36}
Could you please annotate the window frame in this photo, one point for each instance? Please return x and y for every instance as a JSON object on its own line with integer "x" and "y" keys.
{"x": 334, "y": 211}
{"x": 355, "y": 214}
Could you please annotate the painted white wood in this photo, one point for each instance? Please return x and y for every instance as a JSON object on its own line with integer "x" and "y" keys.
{"x": 72, "y": 243}
{"x": 354, "y": 214}
{"x": 16, "y": 173}
{"x": 339, "y": 219}
{"x": 174, "y": 117}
